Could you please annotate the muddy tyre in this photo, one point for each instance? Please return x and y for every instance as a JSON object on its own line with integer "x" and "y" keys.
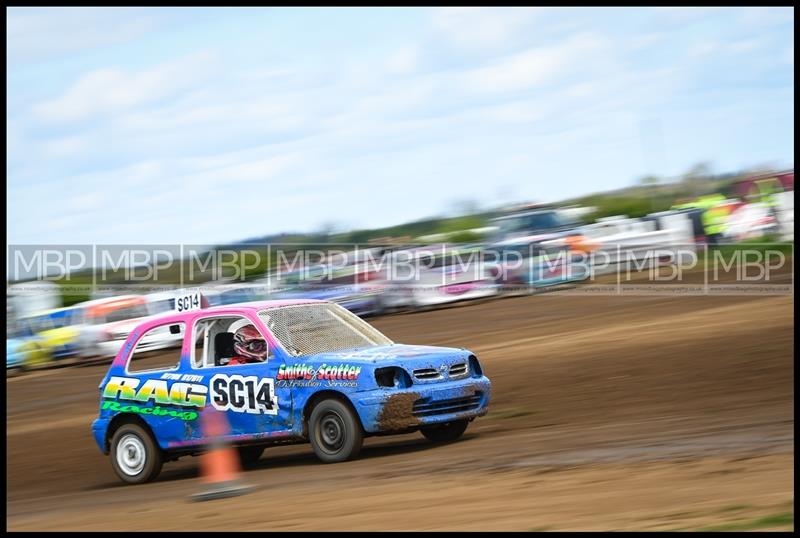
{"x": 442, "y": 433}
{"x": 335, "y": 432}
{"x": 135, "y": 456}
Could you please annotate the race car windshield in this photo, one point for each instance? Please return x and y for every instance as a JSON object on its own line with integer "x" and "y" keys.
{"x": 308, "y": 329}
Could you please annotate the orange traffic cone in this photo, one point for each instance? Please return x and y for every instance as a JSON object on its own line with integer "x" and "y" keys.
{"x": 219, "y": 465}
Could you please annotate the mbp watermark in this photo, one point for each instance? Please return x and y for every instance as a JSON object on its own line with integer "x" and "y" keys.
{"x": 447, "y": 269}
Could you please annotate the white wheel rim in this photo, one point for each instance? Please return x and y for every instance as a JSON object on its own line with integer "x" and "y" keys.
{"x": 131, "y": 455}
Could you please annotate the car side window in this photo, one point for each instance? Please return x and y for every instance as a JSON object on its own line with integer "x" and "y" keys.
{"x": 157, "y": 349}
{"x": 216, "y": 342}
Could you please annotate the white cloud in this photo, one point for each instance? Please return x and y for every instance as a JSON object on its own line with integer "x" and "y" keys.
{"x": 85, "y": 202}
{"x": 14, "y": 143}
{"x": 583, "y": 90}
{"x": 535, "y": 67}
{"x": 704, "y": 48}
{"x": 403, "y": 61}
{"x": 257, "y": 170}
{"x": 112, "y": 91}
{"x": 376, "y": 136}
{"x": 481, "y": 28}
{"x": 518, "y": 112}
{"x": 731, "y": 47}
{"x": 39, "y": 34}
{"x": 647, "y": 40}
{"x": 745, "y": 45}
{"x": 765, "y": 19}
{"x": 65, "y": 147}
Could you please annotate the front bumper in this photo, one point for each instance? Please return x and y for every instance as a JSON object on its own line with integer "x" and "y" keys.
{"x": 99, "y": 427}
{"x": 386, "y": 410}
{"x": 15, "y": 359}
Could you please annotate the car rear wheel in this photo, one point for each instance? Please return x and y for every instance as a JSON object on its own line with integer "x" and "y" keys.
{"x": 449, "y": 431}
{"x": 135, "y": 456}
{"x": 335, "y": 432}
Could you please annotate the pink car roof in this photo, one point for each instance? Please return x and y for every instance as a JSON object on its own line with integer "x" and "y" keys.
{"x": 188, "y": 317}
{"x": 163, "y": 319}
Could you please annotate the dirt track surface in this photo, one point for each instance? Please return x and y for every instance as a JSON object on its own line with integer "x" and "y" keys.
{"x": 608, "y": 413}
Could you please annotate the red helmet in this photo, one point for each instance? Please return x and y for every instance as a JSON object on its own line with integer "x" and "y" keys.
{"x": 248, "y": 343}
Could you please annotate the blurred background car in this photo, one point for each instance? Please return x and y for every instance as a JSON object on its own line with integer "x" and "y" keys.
{"x": 160, "y": 302}
{"x": 534, "y": 222}
{"x": 166, "y": 302}
{"x": 107, "y": 323}
{"x": 424, "y": 277}
{"x": 24, "y": 349}
{"x": 348, "y": 286}
{"x": 225, "y": 294}
{"x": 57, "y": 330}
{"x": 532, "y": 265}
{"x": 619, "y": 242}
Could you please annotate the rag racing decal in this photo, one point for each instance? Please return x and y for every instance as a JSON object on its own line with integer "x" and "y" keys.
{"x": 156, "y": 390}
{"x": 244, "y": 394}
{"x": 303, "y": 375}
{"x": 154, "y": 411}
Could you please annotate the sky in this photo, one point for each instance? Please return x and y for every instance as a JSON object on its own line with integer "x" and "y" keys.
{"x": 207, "y": 125}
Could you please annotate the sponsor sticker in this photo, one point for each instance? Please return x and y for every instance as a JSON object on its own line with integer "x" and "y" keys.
{"x": 157, "y": 391}
{"x": 304, "y": 375}
{"x": 244, "y": 394}
{"x": 237, "y": 393}
{"x": 156, "y": 411}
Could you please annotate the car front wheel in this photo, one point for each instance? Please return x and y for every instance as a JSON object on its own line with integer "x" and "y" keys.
{"x": 449, "y": 431}
{"x": 135, "y": 456}
{"x": 335, "y": 432}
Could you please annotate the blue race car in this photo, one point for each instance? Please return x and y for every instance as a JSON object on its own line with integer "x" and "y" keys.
{"x": 538, "y": 264}
{"x": 23, "y": 348}
{"x": 343, "y": 287}
{"x": 289, "y": 371}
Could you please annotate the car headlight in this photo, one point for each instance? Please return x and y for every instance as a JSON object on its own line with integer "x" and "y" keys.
{"x": 475, "y": 366}
{"x": 392, "y": 377}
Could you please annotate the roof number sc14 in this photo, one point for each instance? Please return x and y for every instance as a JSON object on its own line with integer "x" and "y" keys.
{"x": 188, "y": 302}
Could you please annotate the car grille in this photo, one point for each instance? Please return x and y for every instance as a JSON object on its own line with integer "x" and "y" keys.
{"x": 427, "y": 373}
{"x": 458, "y": 370}
{"x": 426, "y": 408}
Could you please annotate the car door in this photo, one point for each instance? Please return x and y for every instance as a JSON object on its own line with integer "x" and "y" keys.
{"x": 246, "y": 393}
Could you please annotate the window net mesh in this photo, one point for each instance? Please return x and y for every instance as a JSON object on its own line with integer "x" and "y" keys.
{"x": 309, "y": 329}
